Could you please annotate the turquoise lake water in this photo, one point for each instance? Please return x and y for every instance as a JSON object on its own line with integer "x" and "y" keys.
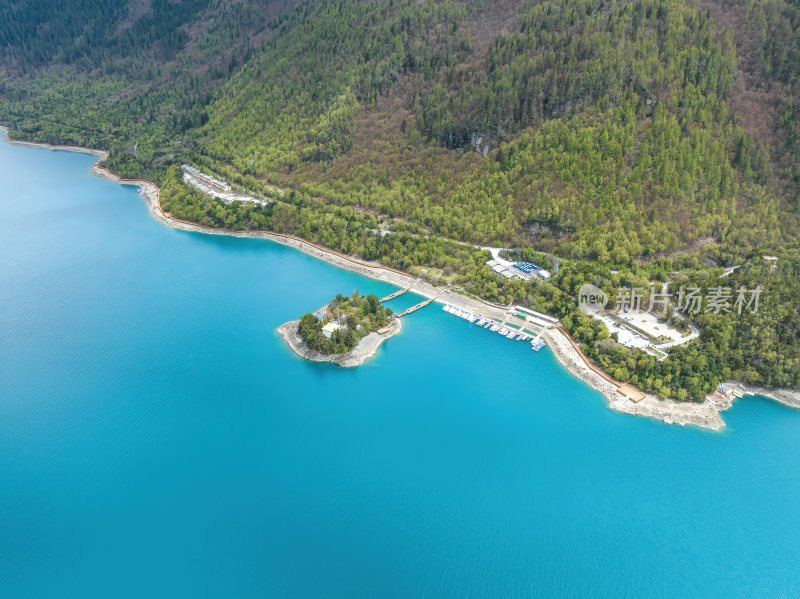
{"x": 157, "y": 439}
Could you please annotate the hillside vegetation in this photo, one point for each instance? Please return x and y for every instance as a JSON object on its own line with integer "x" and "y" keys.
{"x": 642, "y": 135}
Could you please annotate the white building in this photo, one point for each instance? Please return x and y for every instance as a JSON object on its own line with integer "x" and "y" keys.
{"x": 544, "y": 319}
{"x": 505, "y": 269}
{"x": 329, "y": 328}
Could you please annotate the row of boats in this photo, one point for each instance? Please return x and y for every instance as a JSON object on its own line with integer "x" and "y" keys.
{"x": 486, "y": 323}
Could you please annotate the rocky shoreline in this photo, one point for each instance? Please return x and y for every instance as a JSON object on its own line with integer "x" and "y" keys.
{"x": 705, "y": 415}
{"x": 787, "y": 397}
{"x": 365, "y": 349}
{"x": 102, "y": 154}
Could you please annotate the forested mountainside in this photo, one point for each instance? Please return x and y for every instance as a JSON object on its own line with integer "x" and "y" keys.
{"x": 134, "y": 77}
{"x": 606, "y": 126}
{"x": 643, "y": 136}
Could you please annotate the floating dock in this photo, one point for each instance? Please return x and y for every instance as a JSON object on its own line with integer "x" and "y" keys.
{"x": 537, "y": 342}
{"x": 507, "y": 331}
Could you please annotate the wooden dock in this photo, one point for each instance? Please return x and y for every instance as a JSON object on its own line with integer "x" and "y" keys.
{"x": 418, "y": 306}
{"x": 398, "y": 293}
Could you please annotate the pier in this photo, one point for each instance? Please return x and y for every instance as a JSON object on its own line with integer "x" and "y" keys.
{"x": 507, "y": 327}
{"x": 417, "y": 306}
{"x": 398, "y": 293}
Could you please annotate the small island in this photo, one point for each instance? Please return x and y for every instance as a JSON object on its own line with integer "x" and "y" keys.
{"x": 347, "y": 332}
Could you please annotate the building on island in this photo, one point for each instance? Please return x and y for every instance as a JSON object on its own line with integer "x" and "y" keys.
{"x": 329, "y": 328}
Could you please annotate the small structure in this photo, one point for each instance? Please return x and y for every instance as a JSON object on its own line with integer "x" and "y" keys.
{"x": 329, "y": 328}
{"x": 629, "y": 392}
{"x": 505, "y": 269}
{"x": 525, "y": 267}
{"x": 538, "y": 318}
{"x": 518, "y": 270}
{"x": 215, "y": 188}
{"x": 221, "y": 187}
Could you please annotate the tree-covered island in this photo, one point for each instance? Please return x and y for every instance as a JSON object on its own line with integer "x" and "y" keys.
{"x": 347, "y": 331}
{"x": 343, "y": 323}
